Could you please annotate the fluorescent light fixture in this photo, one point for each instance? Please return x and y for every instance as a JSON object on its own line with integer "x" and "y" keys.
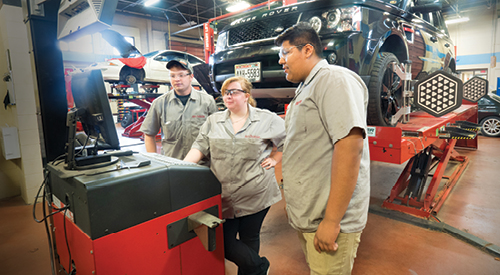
{"x": 150, "y": 2}
{"x": 237, "y": 6}
{"x": 457, "y": 20}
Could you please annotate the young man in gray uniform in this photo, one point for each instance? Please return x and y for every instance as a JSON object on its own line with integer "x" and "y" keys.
{"x": 179, "y": 113}
{"x": 326, "y": 163}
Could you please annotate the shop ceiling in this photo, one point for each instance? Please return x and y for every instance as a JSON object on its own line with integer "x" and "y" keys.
{"x": 194, "y": 12}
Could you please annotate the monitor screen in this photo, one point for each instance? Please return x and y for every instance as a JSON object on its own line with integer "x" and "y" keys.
{"x": 91, "y": 99}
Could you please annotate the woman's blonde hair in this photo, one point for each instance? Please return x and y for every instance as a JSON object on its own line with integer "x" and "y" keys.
{"x": 246, "y": 86}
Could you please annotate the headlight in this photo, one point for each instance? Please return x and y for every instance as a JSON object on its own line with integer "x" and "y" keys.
{"x": 332, "y": 19}
{"x": 221, "y": 41}
{"x": 315, "y": 23}
{"x": 341, "y": 20}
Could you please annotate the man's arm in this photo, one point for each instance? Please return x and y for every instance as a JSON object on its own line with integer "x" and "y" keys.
{"x": 150, "y": 142}
{"x": 346, "y": 161}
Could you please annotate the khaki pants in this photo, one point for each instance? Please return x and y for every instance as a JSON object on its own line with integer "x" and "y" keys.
{"x": 330, "y": 263}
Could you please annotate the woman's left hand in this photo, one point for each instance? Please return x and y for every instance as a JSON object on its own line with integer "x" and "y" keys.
{"x": 268, "y": 163}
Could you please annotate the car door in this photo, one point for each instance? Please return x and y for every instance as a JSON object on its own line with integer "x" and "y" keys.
{"x": 487, "y": 107}
{"x": 437, "y": 43}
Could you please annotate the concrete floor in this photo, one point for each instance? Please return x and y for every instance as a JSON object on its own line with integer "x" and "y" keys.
{"x": 387, "y": 246}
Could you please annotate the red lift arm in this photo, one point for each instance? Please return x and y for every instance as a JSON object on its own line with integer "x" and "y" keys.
{"x": 409, "y": 142}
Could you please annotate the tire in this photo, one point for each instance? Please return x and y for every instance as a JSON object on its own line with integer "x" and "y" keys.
{"x": 490, "y": 126}
{"x": 127, "y": 120}
{"x": 130, "y": 76}
{"x": 385, "y": 90}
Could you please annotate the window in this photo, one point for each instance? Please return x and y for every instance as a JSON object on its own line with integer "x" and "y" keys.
{"x": 485, "y": 101}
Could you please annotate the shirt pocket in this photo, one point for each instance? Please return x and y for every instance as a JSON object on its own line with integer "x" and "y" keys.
{"x": 172, "y": 130}
{"x": 249, "y": 148}
{"x": 297, "y": 128}
{"x": 220, "y": 148}
{"x": 195, "y": 125}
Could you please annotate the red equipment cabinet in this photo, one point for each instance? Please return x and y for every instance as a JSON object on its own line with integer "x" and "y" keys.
{"x": 135, "y": 221}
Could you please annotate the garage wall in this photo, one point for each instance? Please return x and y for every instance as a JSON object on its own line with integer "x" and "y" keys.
{"x": 10, "y": 172}
{"x": 23, "y": 175}
{"x": 477, "y": 44}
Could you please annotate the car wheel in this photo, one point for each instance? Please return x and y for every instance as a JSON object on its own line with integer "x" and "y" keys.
{"x": 385, "y": 89}
{"x": 130, "y": 76}
{"x": 490, "y": 126}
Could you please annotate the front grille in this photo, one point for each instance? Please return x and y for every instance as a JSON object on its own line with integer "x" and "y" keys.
{"x": 261, "y": 29}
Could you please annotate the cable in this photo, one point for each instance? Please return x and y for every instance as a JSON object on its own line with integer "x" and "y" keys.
{"x": 45, "y": 216}
{"x": 58, "y": 158}
{"x": 84, "y": 145}
{"x": 47, "y": 229}
{"x": 436, "y": 218}
{"x": 70, "y": 266}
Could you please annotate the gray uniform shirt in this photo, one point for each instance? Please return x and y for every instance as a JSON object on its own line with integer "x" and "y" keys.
{"x": 235, "y": 159}
{"x": 179, "y": 124}
{"x": 327, "y": 105}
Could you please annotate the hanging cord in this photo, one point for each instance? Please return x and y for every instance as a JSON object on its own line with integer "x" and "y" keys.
{"x": 70, "y": 266}
{"x": 46, "y": 192}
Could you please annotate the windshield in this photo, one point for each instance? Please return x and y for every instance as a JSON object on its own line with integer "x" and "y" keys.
{"x": 151, "y": 54}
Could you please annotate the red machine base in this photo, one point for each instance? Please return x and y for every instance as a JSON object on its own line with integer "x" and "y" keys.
{"x": 141, "y": 249}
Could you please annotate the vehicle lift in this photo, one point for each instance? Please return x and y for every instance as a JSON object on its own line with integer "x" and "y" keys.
{"x": 141, "y": 99}
{"x": 427, "y": 140}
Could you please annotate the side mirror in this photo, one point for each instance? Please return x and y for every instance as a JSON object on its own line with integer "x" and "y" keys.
{"x": 427, "y": 7}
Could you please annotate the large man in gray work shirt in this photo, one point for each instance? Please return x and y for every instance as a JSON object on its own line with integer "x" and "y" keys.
{"x": 326, "y": 164}
{"x": 179, "y": 113}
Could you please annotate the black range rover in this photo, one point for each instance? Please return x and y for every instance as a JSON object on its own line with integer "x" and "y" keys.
{"x": 367, "y": 37}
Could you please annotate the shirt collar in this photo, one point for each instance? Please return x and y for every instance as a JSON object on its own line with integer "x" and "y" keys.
{"x": 321, "y": 64}
{"x": 194, "y": 95}
{"x": 253, "y": 115}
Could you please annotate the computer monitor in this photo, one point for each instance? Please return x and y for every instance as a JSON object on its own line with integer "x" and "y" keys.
{"x": 93, "y": 111}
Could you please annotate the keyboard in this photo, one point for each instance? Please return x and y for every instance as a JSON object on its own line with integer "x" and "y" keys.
{"x": 166, "y": 160}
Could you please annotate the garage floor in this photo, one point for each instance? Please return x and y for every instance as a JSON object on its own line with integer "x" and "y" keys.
{"x": 387, "y": 246}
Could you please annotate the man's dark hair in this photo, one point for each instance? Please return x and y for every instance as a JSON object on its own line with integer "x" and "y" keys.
{"x": 300, "y": 35}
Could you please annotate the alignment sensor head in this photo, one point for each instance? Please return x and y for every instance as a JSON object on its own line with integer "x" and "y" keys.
{"x": 438, "y": 94}
{"x": 475, "y": 88}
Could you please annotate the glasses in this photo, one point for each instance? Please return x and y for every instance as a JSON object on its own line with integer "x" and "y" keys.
{"x": 231, "y": 92}
{"x": 175, "y": 76}
{"x": 284, "y": 52}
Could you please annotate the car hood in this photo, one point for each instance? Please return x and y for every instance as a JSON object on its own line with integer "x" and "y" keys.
{"x": 117, "y": 40}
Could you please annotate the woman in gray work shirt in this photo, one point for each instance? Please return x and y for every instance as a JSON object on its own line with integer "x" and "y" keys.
{"x": 239, "y": 142}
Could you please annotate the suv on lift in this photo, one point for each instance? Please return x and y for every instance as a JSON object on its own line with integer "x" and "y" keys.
{"x": 367, "y": 37}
